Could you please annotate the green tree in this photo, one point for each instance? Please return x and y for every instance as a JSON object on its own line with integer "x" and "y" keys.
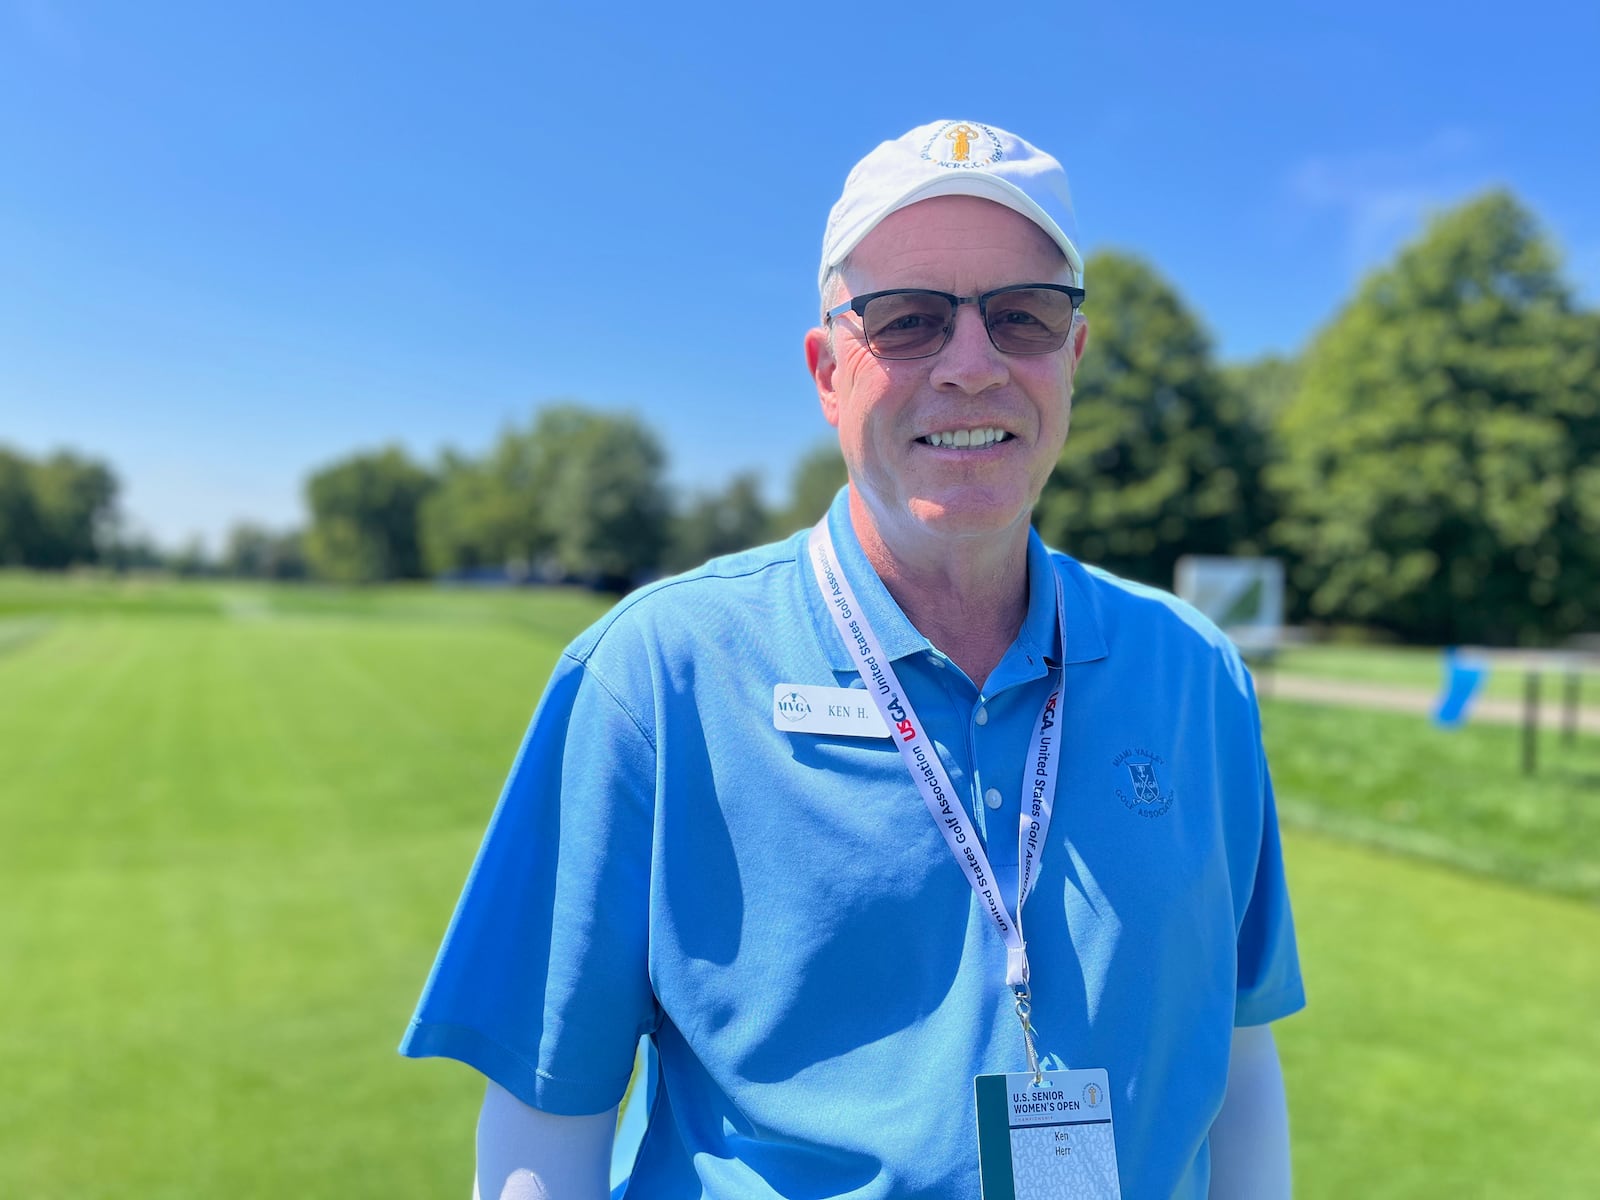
{"x": 364, "y": 517}
{"x": 719, "y": 523}
{"x": 254, "y": 552}
{"x": 75, "y": 499}
{"x": 817, "y": 478}
{"x": 1163, "y": 459}
{"x": 453, "y": 523}
{"x": 490, "y": 512}
{"x": 132, "y": 550}
{"x": 1442, "y": 456}
{"x": 606, "y": 507}
{"x": 20, "y": 532}
{"x": 192, "y": 560}
{"x": 1266, "y": 385}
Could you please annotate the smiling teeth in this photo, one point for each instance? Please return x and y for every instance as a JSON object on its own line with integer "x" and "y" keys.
{"x": 972, "y": 438}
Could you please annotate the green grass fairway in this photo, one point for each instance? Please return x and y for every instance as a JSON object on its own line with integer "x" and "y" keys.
{"x": 230, "y": 846}
{"x": 1450, "y": 1046}
{"x": 1453, "y": 795}
{"x": 233, "y": 821}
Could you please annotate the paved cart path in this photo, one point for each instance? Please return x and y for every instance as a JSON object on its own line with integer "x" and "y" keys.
{"x": 1281, "y": 686}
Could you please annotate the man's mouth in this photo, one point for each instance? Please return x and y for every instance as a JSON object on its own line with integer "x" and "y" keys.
{"x": 967, "y": 439}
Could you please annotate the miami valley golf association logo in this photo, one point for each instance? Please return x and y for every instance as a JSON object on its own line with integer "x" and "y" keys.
{"x": 1141, "y": 788}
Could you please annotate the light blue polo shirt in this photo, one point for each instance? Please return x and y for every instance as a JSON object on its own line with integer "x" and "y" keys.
{"x": 816, "y": 974}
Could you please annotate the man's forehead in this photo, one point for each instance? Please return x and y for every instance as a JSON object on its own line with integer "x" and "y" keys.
{"x": 959, "y": 234}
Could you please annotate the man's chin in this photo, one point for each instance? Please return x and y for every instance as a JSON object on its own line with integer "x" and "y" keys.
{"x": 968, "y": 517}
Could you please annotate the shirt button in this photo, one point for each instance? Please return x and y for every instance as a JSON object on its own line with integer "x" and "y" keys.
{"x": 982, "y": 715}
{"x": 992, "y": 797}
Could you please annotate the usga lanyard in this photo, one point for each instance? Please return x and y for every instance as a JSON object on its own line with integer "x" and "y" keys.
{"x": 929, "y": 776}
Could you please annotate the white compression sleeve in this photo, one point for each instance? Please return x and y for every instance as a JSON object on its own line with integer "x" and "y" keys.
{"x": 1250, "y": 1137}
{"x": 525, "y": 1154}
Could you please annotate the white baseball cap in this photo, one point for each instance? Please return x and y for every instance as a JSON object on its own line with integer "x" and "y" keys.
{"x": 952, "y": 158}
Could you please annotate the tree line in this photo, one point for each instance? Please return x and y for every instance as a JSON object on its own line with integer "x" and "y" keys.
{"x": 576, "y": 496}
{"x": 1428, "y": 466}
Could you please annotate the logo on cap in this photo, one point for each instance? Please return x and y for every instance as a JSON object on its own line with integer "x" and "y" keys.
{"x": 963, "y": 144}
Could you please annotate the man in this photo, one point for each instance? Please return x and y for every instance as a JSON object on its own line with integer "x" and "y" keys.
{"x": 712, "y": 834}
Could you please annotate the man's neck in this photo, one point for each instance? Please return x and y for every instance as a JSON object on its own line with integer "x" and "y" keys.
{"x": 969, "y": 599}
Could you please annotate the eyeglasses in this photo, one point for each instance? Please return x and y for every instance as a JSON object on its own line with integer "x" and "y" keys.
{"x": 1031, "y": 318}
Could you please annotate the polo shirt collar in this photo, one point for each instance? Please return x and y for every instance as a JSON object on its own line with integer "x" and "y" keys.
{"x": 895, "y": 632}
{"x": 1040, "y": 633}
{"x": 1084, "y": 643}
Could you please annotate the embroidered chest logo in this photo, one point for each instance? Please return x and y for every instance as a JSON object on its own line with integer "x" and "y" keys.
{"x": 794, "y": 707}
{"x": 1144, "y": 782}
{"x": 1143, "y": 793}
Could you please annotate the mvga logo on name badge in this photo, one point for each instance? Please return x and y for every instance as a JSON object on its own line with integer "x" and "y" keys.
{"x": 793, "y": 707}
{"x": 1143, "y": 795}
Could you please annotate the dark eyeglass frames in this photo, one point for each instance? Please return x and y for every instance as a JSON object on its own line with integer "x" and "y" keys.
{"x": 1032, "y": 318}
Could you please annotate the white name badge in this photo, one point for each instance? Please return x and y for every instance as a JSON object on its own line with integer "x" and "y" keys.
{"x": 1050, "y": 1142}
{"x": 806, "y": 708}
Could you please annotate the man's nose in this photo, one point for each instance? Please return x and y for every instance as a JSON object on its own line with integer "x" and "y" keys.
{"x": 969, "y": 360}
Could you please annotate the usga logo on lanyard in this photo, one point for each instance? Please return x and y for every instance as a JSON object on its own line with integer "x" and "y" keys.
{"x": 896, "y": 712}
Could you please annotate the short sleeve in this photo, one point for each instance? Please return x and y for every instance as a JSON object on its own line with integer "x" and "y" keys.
{"x": 1269, "y": 985}
{"x": 542, "y": 981}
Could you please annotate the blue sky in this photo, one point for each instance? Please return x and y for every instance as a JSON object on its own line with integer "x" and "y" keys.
{"x": 239, "y": 241}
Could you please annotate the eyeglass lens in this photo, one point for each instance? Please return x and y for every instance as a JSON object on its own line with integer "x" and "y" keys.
{"x": 917, "y": 324}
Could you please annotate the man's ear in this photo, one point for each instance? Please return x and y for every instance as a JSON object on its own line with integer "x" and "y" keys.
{"x": 1079, "y": 338}
{"x": 822, "y": 364}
